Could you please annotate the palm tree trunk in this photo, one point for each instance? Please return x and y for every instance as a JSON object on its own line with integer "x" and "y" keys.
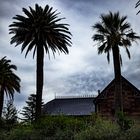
{"x": 39, "y": 80}
{"x": 118, "y": 84}
{"x": 1, "y": 101}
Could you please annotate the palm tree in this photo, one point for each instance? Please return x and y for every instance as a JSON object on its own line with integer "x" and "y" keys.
{"x": 41, "y": 31}
{"x": 114, "y": 32}
{"x": 9, "y": 81}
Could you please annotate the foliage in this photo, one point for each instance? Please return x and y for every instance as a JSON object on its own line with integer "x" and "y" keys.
{"x": 10, "y": 117}
{"x": 61, "y": 127}
{"x": 101, "y": 130}
{"x": 10, "y": 113}
{"x": 124, "y": 122}
{"x": 113, "y": 32}
{"x": 71, "y": 128}
{"x": 50, "y": 128}
{"x": 2, "y": 124}
{"x": 28, "y": 111}
{"x": 40, "y": 30}
{"x": 40, "y": 27}
{"x": 9, "y": 81}
{"x": 137, "y": 5}
{"x": 132, "y": 134}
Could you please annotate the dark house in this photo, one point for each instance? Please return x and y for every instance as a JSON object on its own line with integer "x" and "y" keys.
{"x": 104, "y": 102}
{"x": 72, "y": 106}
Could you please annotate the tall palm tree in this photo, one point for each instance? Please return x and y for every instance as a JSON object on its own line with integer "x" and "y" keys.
{"x": 113, "y": 32}
{"x": 9, "y": 81}
{"x": 41, "y": 31}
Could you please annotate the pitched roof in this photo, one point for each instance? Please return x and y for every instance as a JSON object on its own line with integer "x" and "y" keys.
{"x": 112, "y": 82}
{"x": 70, "y": 106}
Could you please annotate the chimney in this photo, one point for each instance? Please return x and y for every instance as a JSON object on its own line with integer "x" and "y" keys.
{"x": 98, "y": 92}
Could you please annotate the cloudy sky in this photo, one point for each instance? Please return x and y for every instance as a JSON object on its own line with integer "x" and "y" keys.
{"x": 81, "y": 72}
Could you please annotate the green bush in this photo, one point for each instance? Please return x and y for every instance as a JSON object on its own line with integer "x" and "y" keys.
{"x": 59, "y": 127}
{"x": 132, "y": 134}
{"x": 20, "y": 133}
{"x": 101, "y": 130}
{"x": 3, "y": 135}
{"x": 70, "y": 128}
{"x": 123, "y": 121}
{"x": 48, "y": 128}
{"x": 2, "y": 124}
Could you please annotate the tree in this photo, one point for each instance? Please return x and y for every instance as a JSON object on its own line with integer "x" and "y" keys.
{"x": 9, "y": 81}
{"x": 41, "y": 31}
{"x": 114, "y": 32}
{"x": 28, "y": 111}
{"x": 10, "y": 113}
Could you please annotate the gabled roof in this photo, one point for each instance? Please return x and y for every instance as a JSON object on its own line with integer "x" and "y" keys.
{"x": 70, "y": 106}
{"x": 112, "y": 82}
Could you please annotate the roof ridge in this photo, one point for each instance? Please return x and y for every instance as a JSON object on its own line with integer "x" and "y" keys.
{"x": 75, "y": 96}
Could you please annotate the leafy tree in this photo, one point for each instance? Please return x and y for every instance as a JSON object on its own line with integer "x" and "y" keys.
{"x": 9, "y": 81}
{"x": 113, "y": 32}
{"x": 40, "y": 30}
{"x": 10, "y": 113}
{"x": 28, "y": 111}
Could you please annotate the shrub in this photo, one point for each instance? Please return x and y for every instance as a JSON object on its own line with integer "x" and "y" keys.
{"x": 48, "y": 128}
{"x": 59, "y": 127}
{"x": 124, "y": 122}
{"x": 101, "y": 130}
{"x": 70, "y": 128}
{"x": 132, "y": 134}
{"x": 20, "y": 133}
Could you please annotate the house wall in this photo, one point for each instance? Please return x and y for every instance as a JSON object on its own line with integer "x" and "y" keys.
{"x": 131, "y": 100}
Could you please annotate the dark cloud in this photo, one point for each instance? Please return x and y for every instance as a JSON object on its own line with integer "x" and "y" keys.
{"x": 20, "y": 97}
{"x": 89, "y": 8}
{"x": 132, "y": 71}
{"x": 82, "y": 83}
{"x": 8, "y": 8}
{"x": 89, "y": 82}
{"x": 81, "y": 6}
{"x": 80, "y": 3}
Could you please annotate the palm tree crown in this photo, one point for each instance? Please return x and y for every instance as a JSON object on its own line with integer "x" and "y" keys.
{"x": 113, "y": 31}
{"x": 9, "y": 81}
{"x": 40, "y": 27}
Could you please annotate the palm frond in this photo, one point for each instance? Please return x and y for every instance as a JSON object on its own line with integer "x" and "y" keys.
{"x": 101, "y": 48}
{"x": 100, "y": 29}
{"x": 128, "y": 53}
{"x": 40, "y": 25}
{"x": 137, "y": 4}
{"x": 115, "y": 31}
{"x": 120, "y": 59}
{"x": 108, "y": 57}
{"x": 9, "y": 81}
{"x": 98, "y": 37}
{"x": 132, "y": 35}
{"x": 124, "y": 27}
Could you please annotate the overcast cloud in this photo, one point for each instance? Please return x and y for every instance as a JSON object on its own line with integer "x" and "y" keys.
{"x": 81, "y": 72}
